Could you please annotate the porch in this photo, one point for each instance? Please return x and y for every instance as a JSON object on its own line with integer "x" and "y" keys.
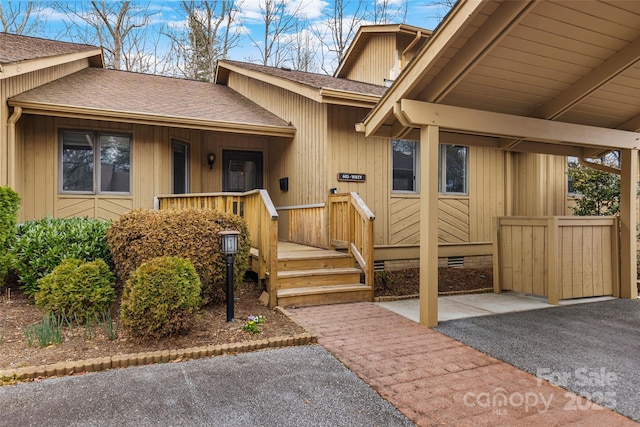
{"x": 322, "y": 254}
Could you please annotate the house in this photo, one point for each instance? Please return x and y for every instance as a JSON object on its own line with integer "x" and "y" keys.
{"x": 83, "y": 140}
{"x": 526, "y": 79}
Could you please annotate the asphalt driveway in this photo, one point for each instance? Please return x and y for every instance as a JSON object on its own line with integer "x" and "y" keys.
{"x": 298, "y": 386}
{"x": 592, "y": 349}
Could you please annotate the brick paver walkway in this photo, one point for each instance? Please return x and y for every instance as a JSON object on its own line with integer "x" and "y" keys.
{"x": 435, "y": 380}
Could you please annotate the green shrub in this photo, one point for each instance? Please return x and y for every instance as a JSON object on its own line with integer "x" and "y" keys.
{"x": 160, "y": 298}
{"x": 41, "y": 245}
{"x": 9, "y": 206}
{"x": 142, "y": 235}
{"x": 77, "y": 289}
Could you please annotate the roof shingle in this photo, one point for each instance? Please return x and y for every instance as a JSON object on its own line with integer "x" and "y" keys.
{"x": 145, "y": 94}
{"x": 318, "y": 81}
{"x": 16, "y": 48}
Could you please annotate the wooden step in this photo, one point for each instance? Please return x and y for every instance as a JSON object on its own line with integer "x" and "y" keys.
{"x": 320, "y": 295}
{"x": 318, "y": 277}
{"x": 316, "y": 260}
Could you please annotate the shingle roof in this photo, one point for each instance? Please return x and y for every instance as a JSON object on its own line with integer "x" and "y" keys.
{"x": 318, "y": 81}
{"x": 126, "y": 93}
{"x": 15, "y": 48}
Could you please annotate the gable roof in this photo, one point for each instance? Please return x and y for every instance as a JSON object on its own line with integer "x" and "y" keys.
{"x": 40, "y": 53}
{"x": 365, "y": 33}
{"x": 319, "y": 87}
{"x": 97, "y": 93}
{"x": 571, "y": 62}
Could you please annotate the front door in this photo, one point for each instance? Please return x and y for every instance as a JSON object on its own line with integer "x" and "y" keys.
{"x": 242, "y": 170}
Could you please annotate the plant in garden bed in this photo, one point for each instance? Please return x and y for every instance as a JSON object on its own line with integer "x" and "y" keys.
{"x": 252, "y": 324}
{"x": 41, "y": 245}
{"x": 46, "y": 332}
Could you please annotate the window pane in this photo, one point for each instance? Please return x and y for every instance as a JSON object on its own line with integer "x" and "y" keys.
{"x": 77, "y": 161}
{"x": 404, "y": 165}
{"x": 115, "y": 161}
{"x": 456, "y": 169}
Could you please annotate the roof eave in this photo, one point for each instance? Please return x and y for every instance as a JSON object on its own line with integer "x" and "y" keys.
{"x": 152, "y": 119}
{"x": 340, "y": 97}
{"x": 307, "y": 91}
{"x": 461, "y": 14}
{"x": 94, "y": 57}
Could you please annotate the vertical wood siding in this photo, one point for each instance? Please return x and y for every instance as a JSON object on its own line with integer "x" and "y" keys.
{"x": 150, "y": 166}
{"x": 375, "y": 61}
{"x": 350, "y": 152}
{"x": 304, "y": 159}
{"x": 22, "y": 83}
{"x": 540, "y": 184}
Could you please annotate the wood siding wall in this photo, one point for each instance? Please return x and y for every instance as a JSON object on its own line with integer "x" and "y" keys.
{"x": 304, "y": 159}
{"x": 461, "y": 219}
{"x": 376, "y": 60}
{"x": 12, "y": 86}
{"x": 350, "y": 152}
{"x": 539, "y": 184}
{"x": 150, "y": 166}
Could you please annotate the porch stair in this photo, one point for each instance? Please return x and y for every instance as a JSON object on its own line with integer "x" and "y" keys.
{"x": 312, "y": 276}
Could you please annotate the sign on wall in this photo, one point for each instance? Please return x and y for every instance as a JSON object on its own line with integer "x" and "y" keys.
{"x": 354, "y": 177}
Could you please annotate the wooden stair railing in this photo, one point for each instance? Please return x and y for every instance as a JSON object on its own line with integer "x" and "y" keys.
{"x": 351, "y": 228}
{"x": 262, "y": 221}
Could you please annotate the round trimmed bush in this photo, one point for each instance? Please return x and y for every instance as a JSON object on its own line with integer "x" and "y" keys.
{"x": 77, "y": 289}
{"x": 160, "y": 298}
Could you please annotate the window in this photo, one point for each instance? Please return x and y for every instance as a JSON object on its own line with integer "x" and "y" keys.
{"x": 180, "y": 167}
{"x": 404, "y": 165}
{"x": 94, "y": 162}
{"x": 452, "y": 167}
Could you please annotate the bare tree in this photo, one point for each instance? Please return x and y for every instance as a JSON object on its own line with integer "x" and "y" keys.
{"x": 337, "y": 30}
{"x": 21, "y": 17}
{"x": 304, "y": 49}
{"x": 208, "y": 36}
{"x": 119, "y": 27}
{"x": 279, "y": 22}
{"x": 388, "y": 11}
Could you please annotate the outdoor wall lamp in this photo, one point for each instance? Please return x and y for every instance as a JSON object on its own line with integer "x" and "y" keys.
{"x": 229, "y": 246}
{"x": 210, "y": 159}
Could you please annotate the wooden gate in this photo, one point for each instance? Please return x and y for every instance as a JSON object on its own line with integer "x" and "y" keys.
{"x": 560, "y": 257}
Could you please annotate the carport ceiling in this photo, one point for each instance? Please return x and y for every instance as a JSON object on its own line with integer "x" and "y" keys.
{"x": 570, "y": 61}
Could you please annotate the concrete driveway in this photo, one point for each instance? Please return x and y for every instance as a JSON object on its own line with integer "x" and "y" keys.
{"x": 591, "y": 349}
{"x": 299, "y": 386}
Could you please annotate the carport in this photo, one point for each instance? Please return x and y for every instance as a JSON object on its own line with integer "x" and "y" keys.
{"x": 559, "y": 78}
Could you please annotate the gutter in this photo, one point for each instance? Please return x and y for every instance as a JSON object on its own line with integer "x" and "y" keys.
{"x": 11, "y": 146}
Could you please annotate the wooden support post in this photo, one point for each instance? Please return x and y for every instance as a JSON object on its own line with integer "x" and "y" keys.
{"x": 553, "y": 291}
{"x": 497, "y": 284}
{"x": 628, "y": 222}
{"x": 429, "y": 140}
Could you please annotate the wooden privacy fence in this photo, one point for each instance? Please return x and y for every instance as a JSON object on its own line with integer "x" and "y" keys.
{"x": 262, "y": 221}
{"x": 560, "y": 257}
{"x": 351, "y": 227}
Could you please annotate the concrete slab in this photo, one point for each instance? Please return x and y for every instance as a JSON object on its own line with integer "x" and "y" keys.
{"x": 473, "y": 305}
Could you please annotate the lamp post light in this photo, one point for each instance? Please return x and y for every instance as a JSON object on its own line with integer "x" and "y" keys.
{"x": 229, "y": 246}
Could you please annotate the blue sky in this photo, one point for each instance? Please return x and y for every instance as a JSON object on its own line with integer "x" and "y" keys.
{"x": 167, "y": 14}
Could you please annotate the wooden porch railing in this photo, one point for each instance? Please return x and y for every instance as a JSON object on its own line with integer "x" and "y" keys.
{"x": 262, "y": 221}
{"x": 351, "y": 227}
